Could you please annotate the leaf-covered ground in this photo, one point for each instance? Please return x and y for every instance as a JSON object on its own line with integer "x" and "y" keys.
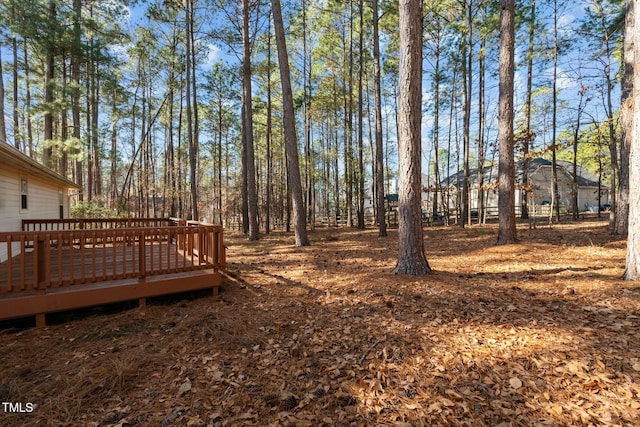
{"x": 539, "y": 333}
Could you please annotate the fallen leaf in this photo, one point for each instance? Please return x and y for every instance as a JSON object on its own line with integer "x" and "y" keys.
{"x": 447, "y": 402}
{"x": 185, "y": 387}
{"x": 434, "y": 408}
{"x": 515, "y": 382}
{"x": 556, "y": 410}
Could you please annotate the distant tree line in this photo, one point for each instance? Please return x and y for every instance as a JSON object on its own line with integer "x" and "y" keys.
{"x": 126, "y": 100}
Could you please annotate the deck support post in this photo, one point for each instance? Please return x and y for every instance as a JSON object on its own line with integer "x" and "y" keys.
{"x": 41, "y": 320}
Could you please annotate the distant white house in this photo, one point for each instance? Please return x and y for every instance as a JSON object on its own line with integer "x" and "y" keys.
{"x": 591, "y": 193}
{"x": 28, "y": 190}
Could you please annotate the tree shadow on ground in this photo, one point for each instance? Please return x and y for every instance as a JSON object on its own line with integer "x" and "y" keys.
{"x": 534, "y": 334}
{"x": 482, "y": 348}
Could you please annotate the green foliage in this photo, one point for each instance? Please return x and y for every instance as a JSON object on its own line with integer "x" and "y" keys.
{"x": 603, "y": 24}
{"x": 137, "y": 67}
{"x": 593, "y": 150}
{"x": 93, "y": 209}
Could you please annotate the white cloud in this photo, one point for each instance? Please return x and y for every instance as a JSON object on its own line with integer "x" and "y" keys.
{"x": 564, "y": 80}
{"x": 120, "y": 51}
{"x": 213, "y": 55}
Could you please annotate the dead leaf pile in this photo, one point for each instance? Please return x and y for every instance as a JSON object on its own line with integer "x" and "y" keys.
{"x": 539, "y": 333}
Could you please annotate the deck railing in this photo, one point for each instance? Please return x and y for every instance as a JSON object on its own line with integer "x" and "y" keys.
{"x": 40, "y": 260}
{"x": 94, "y": 223}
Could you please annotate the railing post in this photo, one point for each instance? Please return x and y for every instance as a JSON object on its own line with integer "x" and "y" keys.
{"x": 9, "y": 264}
{"x": 202, "y": 246}
{"x": 211, "y": 241}
{"x": 41, "y": 263}
{"x": 222, "y": 255}
{"x": 215, "y": 249}
{"x": 142, "y": 256}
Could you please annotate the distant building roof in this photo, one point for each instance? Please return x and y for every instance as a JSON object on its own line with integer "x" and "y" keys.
{"x": 13, "y": 157}
{"x": 585, "y": 178}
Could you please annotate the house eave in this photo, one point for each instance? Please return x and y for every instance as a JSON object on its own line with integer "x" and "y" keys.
{"x": 13, "y": 158}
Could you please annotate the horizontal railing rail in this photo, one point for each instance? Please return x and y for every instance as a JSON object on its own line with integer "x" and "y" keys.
{"x": 41, "y": 260}
{"x": 94, "y": 223}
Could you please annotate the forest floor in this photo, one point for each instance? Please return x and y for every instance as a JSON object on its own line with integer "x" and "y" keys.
{"x": 543, "y": 332}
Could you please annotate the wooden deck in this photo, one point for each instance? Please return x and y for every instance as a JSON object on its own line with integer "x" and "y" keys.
{"x": 55, "y": 270}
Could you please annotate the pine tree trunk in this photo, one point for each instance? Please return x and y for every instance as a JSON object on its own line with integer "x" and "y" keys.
{"x": 191, "y": 131}
{"x": 555, "y": 206}
{"x": 27, "y": 79}
{"x": 179, "y": 159}
{"x": 360, "y": 175}
{"x": 379, "y": 155}
{"x": 252, "y": 197}
{"x": 64, "y": 125}
{"x": 219, "y": 148}
{"x": 47, "y": 153}
{"x": 17, "y": 134}
{"x": 613, "y": 144}
{"x": 3, "y": 127}
{"x": 467, "y": 77}
{"x": 267, "y": 224}
{"x": 528, "y": 133}
{"x": 196, "y": 118}
{"x": 113, "y": 184}
{"x": 336, "y": 167}
{"x": 463, "y": 185}
{"x": 306, "y": 106}
{"x": 632, "y": 271}
{"x": 171, "y": 157}
{"x": 88, "y": 122}
{"x": 243, "y": 156}
{"x": 621, "y": 224}
{"x": 437, "y": 194}
{"x": 411, "y": 256}
{"x": 506, "y": 168}
{"x": 95, "y": 104}
{"x": 452, "y": 106}
{"x": 348, "y": 131}
{"x": 142, "y": 175}
{"x": 576, "y": 138}
{"x": 291, "y": 145}
{"x": 481, "y": 120}
{"x": 76, "y": 58}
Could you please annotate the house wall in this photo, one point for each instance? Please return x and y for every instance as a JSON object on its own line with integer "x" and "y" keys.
{"x": 588, "y": 197}
{"x": 542, "y": 181}
{"x": 43, "y": 201}
{"x": 490, "y": 198}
